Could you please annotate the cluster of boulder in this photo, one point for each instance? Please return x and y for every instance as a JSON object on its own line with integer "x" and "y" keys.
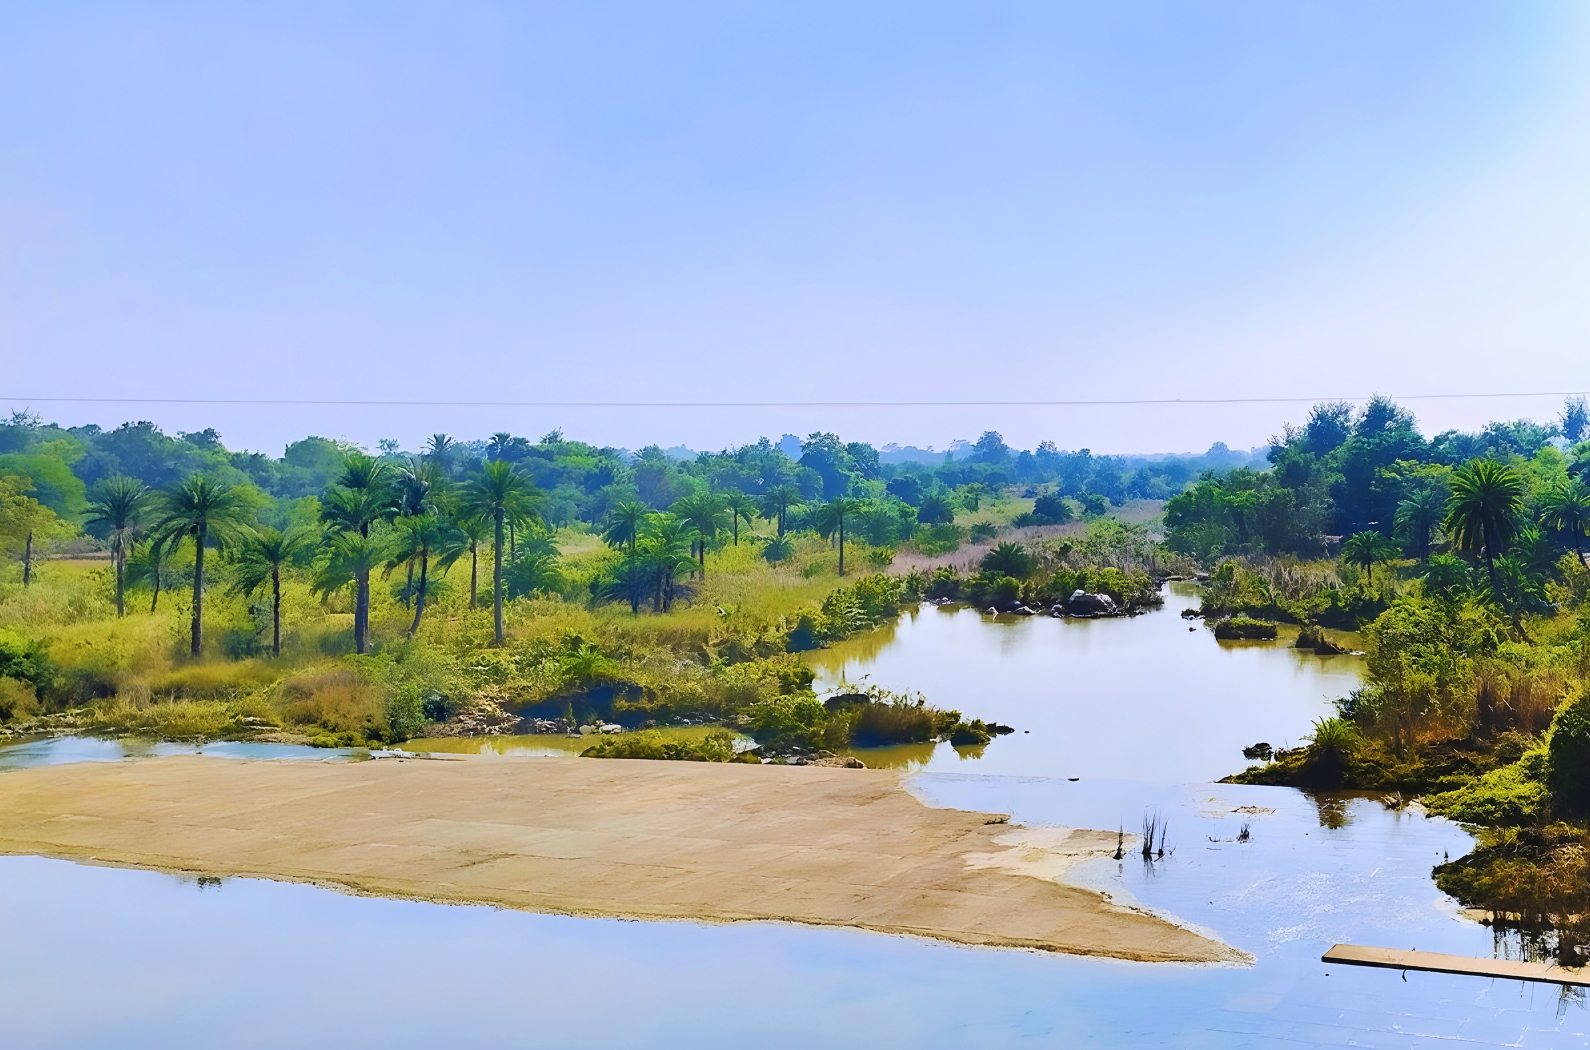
{"x": 483, "y": 718}
{"x": 1081, "y": 605}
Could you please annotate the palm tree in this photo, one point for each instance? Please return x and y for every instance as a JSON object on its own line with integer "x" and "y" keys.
{"x": 741, "y": 508}
{"x": 777, "y": 501}
{"x": 440, "y": 451}
{"x": 118, "y": 504}
{"x": 778, "y": 549}
{"x": 624, "y": 524}
{"x": 350, "y": 558}
{"x": 258, "y": 559}
{"x": 362, "y": 496}
{"x": 534, "y": 567}
{"x": 472, "y": 530}
{"x": 503, "y": 493}
{"x": 831, "y": 522}
{"x": 1482, "y": 512}
{"x": 1010, "y": 559}
{"x": 704, "y": 513}
{"x": 1419, "y": 516}
{"x": 667, "y": 544}
{"x": 1366, "y": 550}
{"x": 211, "y": 513}
{"x": 1566, "y": 507}
{"x": 419, "y": 539}
{"x": 147, "y": 564}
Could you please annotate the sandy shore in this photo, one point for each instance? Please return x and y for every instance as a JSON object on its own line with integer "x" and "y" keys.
{"x": 659, "y": 840}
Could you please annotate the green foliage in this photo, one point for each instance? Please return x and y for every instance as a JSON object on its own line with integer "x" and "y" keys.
{"x": 1514, "y": 794}
{"x": 1569, "y": 744}
{"x": 54, "y": 484}
{"x": 1244, "y": 627}
{"x": 1008, "y": 559}
{"x": 25, "y": 660}
{"x": 716, "y": 746}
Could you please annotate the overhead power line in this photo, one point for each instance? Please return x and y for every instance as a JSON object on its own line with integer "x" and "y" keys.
{"x": 1032, "y": 403}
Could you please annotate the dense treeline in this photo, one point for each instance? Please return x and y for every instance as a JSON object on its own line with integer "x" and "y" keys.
{"x": 1347, "y": 472}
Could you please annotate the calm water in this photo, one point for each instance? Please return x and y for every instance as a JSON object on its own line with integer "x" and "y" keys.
{"x": 100, "y": 957}
{"x": 1136, "y": 698}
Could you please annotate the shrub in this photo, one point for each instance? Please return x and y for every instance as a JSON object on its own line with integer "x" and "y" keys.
{"x": 716, "y": 746}
{"x": 898, "y": 722}
{"x": 1334, "y": 737}
{"x": 1245, "y": 628}
{"x": 1510, "y": 795}
{"x": 1569, "y": 749}
{"x": 24, "y": 660}
{"x": 17, "y": 699}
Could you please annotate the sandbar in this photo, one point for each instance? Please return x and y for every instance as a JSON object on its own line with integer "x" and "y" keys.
{"x": 618, "y": 838}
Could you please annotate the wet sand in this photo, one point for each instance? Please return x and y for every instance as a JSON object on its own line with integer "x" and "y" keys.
{"x": 633, "y": 839}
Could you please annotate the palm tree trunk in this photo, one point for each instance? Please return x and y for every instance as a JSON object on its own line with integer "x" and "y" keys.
{"x": 361, "y": 613}
{"x": 198, "y": 592}
{"x": 419, "y": 598}
{"x": 841, "y": 544}
{"x": 119, "y": 562}
{"x": 154, "y": 602}
{"x": 474, "y": 561}
{"x": 27, "y": 562}
{"x": 408, "y": 586}
{"x": 496, "y": 585}
{"x": 276, "y": 610}
{"x": 736, "y": 528}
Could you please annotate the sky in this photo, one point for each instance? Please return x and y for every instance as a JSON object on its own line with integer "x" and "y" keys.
{"x": 712, "y": 203}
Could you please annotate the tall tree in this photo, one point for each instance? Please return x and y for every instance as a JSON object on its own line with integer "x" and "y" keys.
{"x": 624, "y": 524}
{"x": 421, "y": 538}
{"x": 473, "y": 530}
{"x": 502, "y": 492}
{"x": 118, "y": 503}
{"x": 259, "y": 557}
{"x": 777, "y": 502}
{"x": 704, "y": 513}
{"x": 831, "y": 517}
{"x": 350, "y": 559}
{"x": 741, "y": 508}
{"x": 1565, "y": 507}
{"x": 1482, "y": 512}
{"x": 363, "y": 496}
{"x": 1420, "y": 515}
{"x": 147, "y": 564}
{"x": 667, "y": 546}
{"x": 1575, "y": 420}
{"x": 211, "y": 513}
{"x": 1366, "y": 550}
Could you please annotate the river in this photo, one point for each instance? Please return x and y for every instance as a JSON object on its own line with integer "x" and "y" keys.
{"x": 1142, "y": 712}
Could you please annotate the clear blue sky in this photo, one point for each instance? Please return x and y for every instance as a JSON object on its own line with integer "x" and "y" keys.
{"x": 797, "y": 201}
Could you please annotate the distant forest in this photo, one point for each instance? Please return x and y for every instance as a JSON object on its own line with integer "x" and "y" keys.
{"x": 582, "y": 482}
{"x": 1344, "y": 471}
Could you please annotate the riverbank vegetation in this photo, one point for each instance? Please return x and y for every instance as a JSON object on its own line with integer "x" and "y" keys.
{"x": 345, "y": 598}
{"x": 1462, "y": 561}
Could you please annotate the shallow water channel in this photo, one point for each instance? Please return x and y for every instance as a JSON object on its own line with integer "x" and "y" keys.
{"x": 1142, "y": 711}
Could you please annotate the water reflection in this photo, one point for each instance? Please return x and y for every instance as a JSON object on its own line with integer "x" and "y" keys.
{"x": 1140, "y": 697}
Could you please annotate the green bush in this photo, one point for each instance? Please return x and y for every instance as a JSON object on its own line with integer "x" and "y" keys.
{"x": 716, "y": 746}
{"x": 1569, "y": 744}
{"x": 1245, "y": 627}
{"x": 1510, "y": 795}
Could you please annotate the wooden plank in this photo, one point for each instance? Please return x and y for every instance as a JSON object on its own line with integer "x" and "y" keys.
{"x": 1435, "y": 962}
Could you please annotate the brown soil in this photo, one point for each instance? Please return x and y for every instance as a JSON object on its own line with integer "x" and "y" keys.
{"x": 655, "y": 840}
